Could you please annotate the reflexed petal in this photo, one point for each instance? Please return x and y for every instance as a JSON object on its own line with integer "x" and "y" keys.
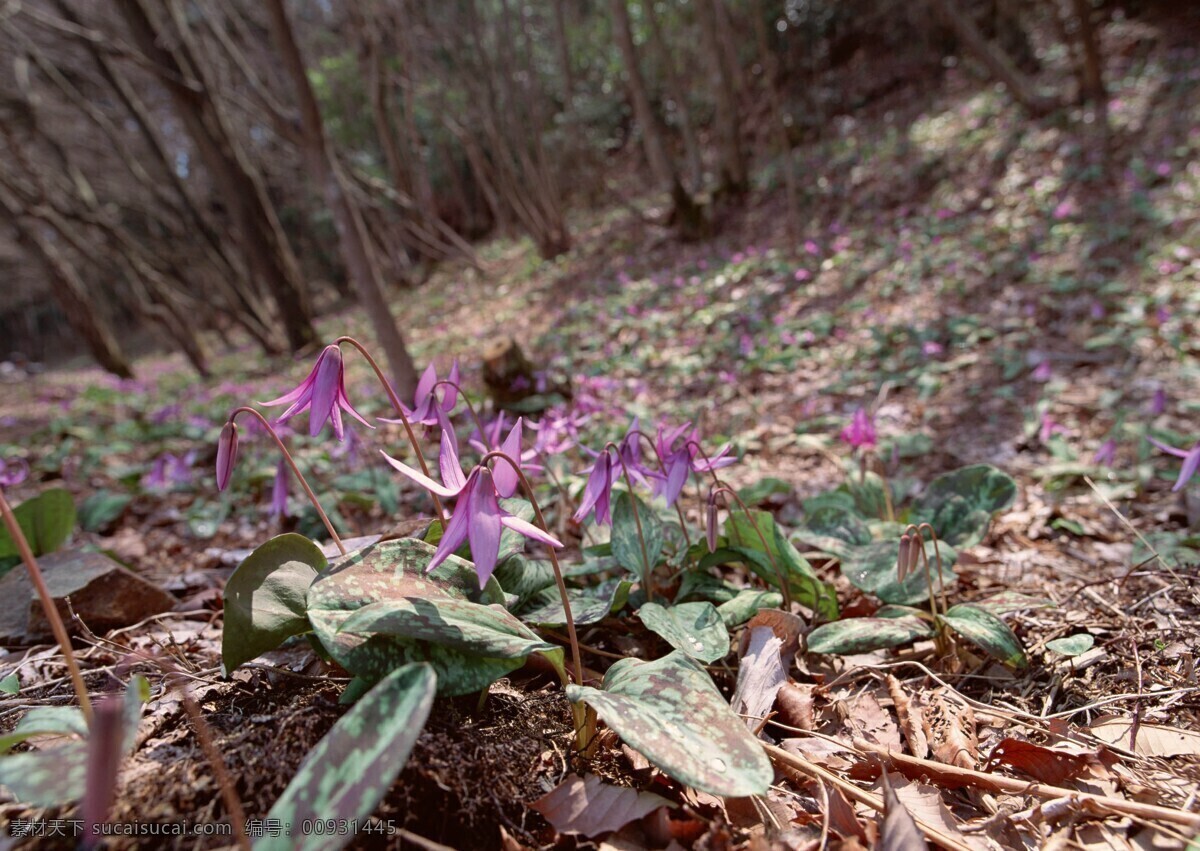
{"x": 420, "y": 478}
{"x": 529, "y": 530}
{"x": 1190, "y": 465}
{"x": 598, "y": 483}
{"x": 448, "y": 462}
{"x": 1170, "y": 450}
{"x": 505, "y": 476}
{"x": 677, "y": 476}
{"x": 484, "y": 524}
{"x": 450, "y": 393}
{"x": 425, "y": 386}
{"x": 297, "y": 407}
{"x": 455, "y": 533}
{"x": 292, "y": 396}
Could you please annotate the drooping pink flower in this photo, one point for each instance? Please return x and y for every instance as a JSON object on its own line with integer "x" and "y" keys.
{"x": 1191, "y": 461}
{"x": 861, "y": 431}
{"x": 227, "y": 447}
{"x": 426, "y": 409}
{"x": 322, "y": 394}
{"x": 1106, "y": 454}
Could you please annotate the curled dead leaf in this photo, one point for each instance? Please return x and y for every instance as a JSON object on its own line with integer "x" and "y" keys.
{"x": 911, "y": 722}
{"x": 795, "y": 704}
{"x": 950, "y": 727}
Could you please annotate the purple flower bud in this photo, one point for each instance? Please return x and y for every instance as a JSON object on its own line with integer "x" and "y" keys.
{"x": 227, "y": 447}
{"x": 903, "y": 560}
{"x": 710, "y": 530}
{"x": 13, "y": 472}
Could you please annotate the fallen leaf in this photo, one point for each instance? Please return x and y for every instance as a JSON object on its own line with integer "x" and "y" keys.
{"x": 786, "y": 626}
{"x": 1041, "y": 763}
{"x": 760, "y": 676}
{"x": 589, "y": 806}
{"x": 795, "y": 705}
{"x": 898, "y": 832}
{"x": 842, "y": 819}
{"x": 911, "y": 722}
{"x": 1152, "y": 739}
{"x": 950, "y": 727}
{"x": 821, "y": 752}
{"x": 867, "y": 718}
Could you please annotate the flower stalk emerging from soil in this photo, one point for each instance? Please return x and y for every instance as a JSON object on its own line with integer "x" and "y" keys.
{"x": 227, "y": 456}
{"x": 52, "y": 614}
{"x": 912, "y": 547}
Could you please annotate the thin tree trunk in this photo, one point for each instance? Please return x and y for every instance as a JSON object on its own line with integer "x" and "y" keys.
{"x": 71, "y": 293}
{"x": 995, "y": 60}
{"x": 770, "y": 66}
{"x": 1093, "y": 75}
{"x": 353, "y": 239}
{"x": 261, "y": 236}
{"x": 678, "y": 93}
{"x": 729, "y": 138}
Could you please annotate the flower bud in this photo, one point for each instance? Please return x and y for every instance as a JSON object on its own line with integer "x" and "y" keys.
{"x": 227, "y": 447}
{"x": 903, "y": 561}
{"x": 711, "y": 525}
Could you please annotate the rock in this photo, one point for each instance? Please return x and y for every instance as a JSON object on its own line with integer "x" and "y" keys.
{"x": 104, "y": 594}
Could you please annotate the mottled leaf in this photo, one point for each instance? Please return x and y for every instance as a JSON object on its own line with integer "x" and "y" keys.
{"x": 746, "y": 604}
{"x": 694, "y": 628}
{"x": 524, "y": 577}
{"x": 670, "y": 711}
{"x": 1072, "y": 645}
{"x": 10, "y": 684}
{"x": 589, "y": 605}
{"x": 45, "y": 721}
{"x": 626, "y": 545}
{"x": 395, "y": 570}
{"x": 350, "y": 770}
{"x": 472, "y": 628}
{"x": 588, "y": 806}
{"x": 266, "y": 598}
{"x": 803, "y": 583}
{"x": 960, "y": 504}
{"x": 763, "y": 490}
{"x": 985, "y": 630}
{"x": 872, "y": 568}
{"x": 101, "y": 509}
{"x": 862, "y": 635}
{"x": 832, "y": 521}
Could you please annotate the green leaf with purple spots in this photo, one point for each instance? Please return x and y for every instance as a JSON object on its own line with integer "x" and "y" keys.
{"x": 986, "y": 631}
{"x": 266, "y": 598}
{"x": 393, "y": 571}
{"x": 588, "y": 605}
{"x": 670, "y": 711}
{"x": 350, "y": 770}
{"x": 862, "y": 635}
{"x": 694, "y": 628}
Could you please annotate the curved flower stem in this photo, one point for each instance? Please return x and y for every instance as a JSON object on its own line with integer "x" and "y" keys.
{"x": 918, "y": 540}
{"x": 727, "y": 491}
{"x": 399, "y": 409}
{"x": 287, "y": 456}
{"x": 662, "y": 467}
{"x": 637, "y": 520}
{"x": 52, "y": 615}
{"x": 582, "y": 733}
{"x": 691, "y": 444}
{"x": 466, "y": 401}
{"x": 937, "y": 553}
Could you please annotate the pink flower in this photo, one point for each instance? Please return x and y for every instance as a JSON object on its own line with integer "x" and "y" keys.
{"x": 1043, "y": 372}
{"x": 322, "y": 394}
{"x": 861, "y": 431}
{"x": 1191, "y": 461}
{"x": 227, "y": 447}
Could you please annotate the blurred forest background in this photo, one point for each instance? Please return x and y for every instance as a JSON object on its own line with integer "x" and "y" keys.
{"x": 175, "y": 168}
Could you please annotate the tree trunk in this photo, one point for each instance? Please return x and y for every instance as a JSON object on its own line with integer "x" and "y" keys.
{"x": 261, "y": 237}
{"x": 353, "y": 239}
{"x": 995, "y": 60}
{"x": 770, "y": 66}
{"x": 678, "y": 93}
{"x": 71, "y": 293}
{"x": 729, "y": 138}
{"x": 1093, "y": 75}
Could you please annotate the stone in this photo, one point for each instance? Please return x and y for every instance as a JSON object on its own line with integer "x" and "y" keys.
{"x": 104, "y": 594}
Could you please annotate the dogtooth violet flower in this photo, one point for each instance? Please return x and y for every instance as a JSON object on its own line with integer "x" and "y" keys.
{"x": 322, "y": 394}
{"x": 426, "y": 409}
{"x": 679, "y": 462}
{"x": 1191, "y": 461}
{"x": 477, "y": 517}
{"x": 861, "y": 431}
{"x": 510, "y": 446}
{"x": 597, "y": 493}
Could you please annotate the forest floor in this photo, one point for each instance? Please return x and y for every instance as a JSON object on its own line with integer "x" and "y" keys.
{"x": 971, "y": 278}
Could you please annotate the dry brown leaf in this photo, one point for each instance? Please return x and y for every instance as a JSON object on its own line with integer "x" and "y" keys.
{"x": 842, "y": 819}
{"x": 898, "y": 832}
{"x": 795, "y": 705}
{"x": 950, "y": 727}
{"x": 589, "y": 806}
{"x": 1045, "y": 765}
{"x": 822, "y": 752}
{"x": 867, "y": 718}
{"x": 786, "y": 626}
{"x": 911, "y": 722}
{"x": 761, "y": 674}
{"x": 1152, "y": 739}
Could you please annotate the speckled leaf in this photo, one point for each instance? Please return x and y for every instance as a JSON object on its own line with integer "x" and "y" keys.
{"x": 350, "y": 770}
{"x": 395, "y": 570}
{"x": 266, "y": 598}
{"x": 869, "y": 495}
{"x": 985, "y": 630}
{"x": 589, "y": 605}
{"x": 626, "y": 546}
{"x": 872, "y": 568}
{"x": 670, "y": 711}
{"x": 45, "y": 721}
{"x": 475, "y": 629}
{"x": 1072, "y": 645}
{"x": 1012, "y": 601}
{"x": 829, "y": 521}
{"x": 862, "y": 635}
{"x": 699, "y": 584}
{"x": 746, "y": 604}
{"x": 511, "y": 541}
{"x": 47, "y": 521}
{"x": 960, "y": 504}
{"x": 694, "y": 628}
{"x": 524, "y": 577}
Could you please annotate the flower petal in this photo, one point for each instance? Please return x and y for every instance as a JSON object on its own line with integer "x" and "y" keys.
{"x": 344, "y": 403}
{"x": 425, "y": 386}
{"x": 450, "y": 393}
{"x": 524, "y": 527}
{"x": 448, "y": 461}
{"x": 420, "y": 478}
{"x": 1190, "y": 465}
{"x": 505, "y": 476}
{"x": 454, "y": 534}
{"x": 483, "y": 524}
{"x": 1170, "y": 450}
{"x": 598, "y": 483}
{"x": 327, "y": 379}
